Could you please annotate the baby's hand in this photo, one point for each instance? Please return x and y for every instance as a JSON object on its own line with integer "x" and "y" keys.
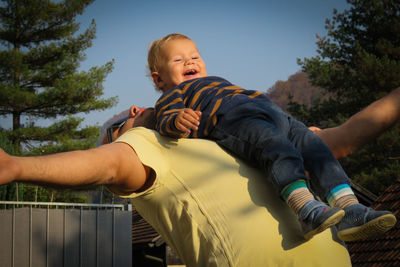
{"x": 187, "y": 120}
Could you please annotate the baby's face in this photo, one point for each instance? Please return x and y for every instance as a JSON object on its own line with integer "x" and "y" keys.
{"x": 180, "y": 61}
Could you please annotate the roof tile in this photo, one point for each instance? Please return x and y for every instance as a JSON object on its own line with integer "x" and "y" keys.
{"x": 385, "y": 249}
{"x": 142, "y": 232}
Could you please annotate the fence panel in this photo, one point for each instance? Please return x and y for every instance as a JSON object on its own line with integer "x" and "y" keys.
{"x": 122, "y": 237}
{"x": 61, "y": 235}
{"x": 89, "y": 234}
{"x": 21, "y": 237}
{"x": 55, "y": 245}
{"x": 6, "y": 236}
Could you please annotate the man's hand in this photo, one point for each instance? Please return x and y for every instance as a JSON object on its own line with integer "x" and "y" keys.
{"x": 8, "y": 168}
{"x": 314, "y": 129}
{"x": 187, "y": 120}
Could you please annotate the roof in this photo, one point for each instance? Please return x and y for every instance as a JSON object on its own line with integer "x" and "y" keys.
{"x": 383, "y": 250}
{"x": 143, "y": 234}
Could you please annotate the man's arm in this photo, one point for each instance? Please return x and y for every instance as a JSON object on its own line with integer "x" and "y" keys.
{"x": 115, "y": 165}
{"x": 364, "y": 126}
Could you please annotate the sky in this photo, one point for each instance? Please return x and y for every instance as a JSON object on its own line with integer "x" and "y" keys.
{"x": 251, "y": 43}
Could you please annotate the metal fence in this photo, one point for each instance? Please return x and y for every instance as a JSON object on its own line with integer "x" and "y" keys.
{"x": 58, "y": 234}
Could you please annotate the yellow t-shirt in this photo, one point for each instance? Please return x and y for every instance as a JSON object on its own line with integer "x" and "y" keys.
{"x": 215, "y": 210}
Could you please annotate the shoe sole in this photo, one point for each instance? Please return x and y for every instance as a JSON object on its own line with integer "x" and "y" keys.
{"x": 328, "y": 223}
{"x": 375, "y": 227}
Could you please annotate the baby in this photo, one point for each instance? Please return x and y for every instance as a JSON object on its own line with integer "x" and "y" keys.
{"x": 248, "y": 124}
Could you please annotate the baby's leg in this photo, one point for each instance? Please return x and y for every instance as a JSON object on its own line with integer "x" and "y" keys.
{"x": 327, "y": 175}
{"x": 325, "y": 171}
{"x": 259, "y": 137}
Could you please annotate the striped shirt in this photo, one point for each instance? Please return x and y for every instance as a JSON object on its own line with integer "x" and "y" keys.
{"x": 211, "y": 95}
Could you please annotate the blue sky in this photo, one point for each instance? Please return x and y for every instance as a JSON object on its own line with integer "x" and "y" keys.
{"x": 252, "y": 43}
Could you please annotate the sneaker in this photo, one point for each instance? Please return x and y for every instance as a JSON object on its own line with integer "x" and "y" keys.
{"x": 315, "y": 217}
{"x": 361, "y": 222}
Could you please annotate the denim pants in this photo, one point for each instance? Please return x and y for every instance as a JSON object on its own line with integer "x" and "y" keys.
{"x": 260, "y": 132}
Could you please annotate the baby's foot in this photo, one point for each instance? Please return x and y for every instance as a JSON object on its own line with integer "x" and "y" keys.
{"x": 315, "y": 217}
{"x": 361, "y": 222}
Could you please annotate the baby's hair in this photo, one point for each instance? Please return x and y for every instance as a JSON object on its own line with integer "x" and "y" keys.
{"x": 155, "y": 47}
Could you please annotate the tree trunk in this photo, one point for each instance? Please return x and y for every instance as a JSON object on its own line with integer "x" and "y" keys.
{"x": 16, "y": 125}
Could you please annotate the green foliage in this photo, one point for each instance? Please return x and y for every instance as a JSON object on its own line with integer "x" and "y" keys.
{"x": 363, "y": 48}
{"x": 358, "y": 62}
{"x": 6, "y": 145}
{"x": 39, "y": 76}
{"x": 41, "y": 51}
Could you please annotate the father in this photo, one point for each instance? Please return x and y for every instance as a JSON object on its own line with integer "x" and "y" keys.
{"x": 211, "y": 208}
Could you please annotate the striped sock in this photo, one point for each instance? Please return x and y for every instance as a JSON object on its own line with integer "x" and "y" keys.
{"x": 342, "y": 196}
{"x": 296, "y": 195}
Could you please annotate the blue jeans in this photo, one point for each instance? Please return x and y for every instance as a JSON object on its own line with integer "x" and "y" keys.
{"x": 260, "y": 132}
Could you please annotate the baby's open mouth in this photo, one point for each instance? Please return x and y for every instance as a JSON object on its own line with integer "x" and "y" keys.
{"x": 190, "y": 72}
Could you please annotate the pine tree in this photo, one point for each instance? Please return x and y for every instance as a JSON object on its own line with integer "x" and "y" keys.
{"x": 41, "y": 51}
{"x": 358, "y": 62}
{"x": 39, "y": 62}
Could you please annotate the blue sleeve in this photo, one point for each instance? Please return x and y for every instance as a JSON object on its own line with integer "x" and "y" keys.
{"x": 167, "y": 108}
